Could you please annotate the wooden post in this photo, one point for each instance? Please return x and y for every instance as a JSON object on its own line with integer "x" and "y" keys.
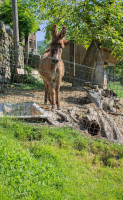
{"x": 71, "y": 69}
{"x": 74, "y": 59}
{"x": 15, "y": 32}
{"x": 35, "y": 44}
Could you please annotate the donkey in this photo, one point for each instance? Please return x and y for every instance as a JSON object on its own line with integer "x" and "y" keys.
{"x": 51, "y": 67}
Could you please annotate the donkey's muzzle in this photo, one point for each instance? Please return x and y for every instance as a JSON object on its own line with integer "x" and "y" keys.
{"x": 55, "y": 58}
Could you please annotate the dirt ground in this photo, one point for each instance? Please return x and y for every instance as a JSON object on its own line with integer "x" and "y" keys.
{"x": 70, "y": 99}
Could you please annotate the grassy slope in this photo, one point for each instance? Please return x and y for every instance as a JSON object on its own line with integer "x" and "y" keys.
{"x": 51, "y": 163}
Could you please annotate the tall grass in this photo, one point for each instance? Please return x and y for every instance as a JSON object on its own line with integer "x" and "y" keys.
{"x": 57, "y": 163}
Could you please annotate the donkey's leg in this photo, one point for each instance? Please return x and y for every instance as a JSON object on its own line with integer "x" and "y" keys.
{"x": 49, "y": 96}
{"x": 45, "y": 99}
{"x": 46, "y": 93}
{"x": 58, "y": 91}
{"x": 53, "y": 97}
{"x": 58, "y": 97}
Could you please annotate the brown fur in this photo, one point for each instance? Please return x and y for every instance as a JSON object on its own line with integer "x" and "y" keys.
{"x": 51, "y": 70}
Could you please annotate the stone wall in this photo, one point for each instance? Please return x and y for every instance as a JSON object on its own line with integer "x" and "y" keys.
{"x": 34, "y": 60}
{"x": 7, "y": 63}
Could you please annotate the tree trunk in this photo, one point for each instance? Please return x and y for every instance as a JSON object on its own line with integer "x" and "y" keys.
{"x": 86, "y": 71}
{"x": 89, "y": 59}
{"x": 26, "y": 50}
{"x": 121, "y": 79}
{"x": 91, "y": 122}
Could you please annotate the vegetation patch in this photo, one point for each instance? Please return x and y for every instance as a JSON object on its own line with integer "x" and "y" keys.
{"x": 117, "y": 88}
{"x": 52, "y": 163}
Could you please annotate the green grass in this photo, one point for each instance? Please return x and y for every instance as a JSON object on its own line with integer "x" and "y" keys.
{"x": 32, "y": 83}
{"x": 29, "y": 82}
{"x": 117, "y": 88}
{"x": 57, "y": 164}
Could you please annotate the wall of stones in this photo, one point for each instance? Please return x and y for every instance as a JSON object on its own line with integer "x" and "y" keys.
{"x": 7, "y": 61}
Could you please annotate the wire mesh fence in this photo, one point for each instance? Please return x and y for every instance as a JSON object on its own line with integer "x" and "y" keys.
{"x": 90, "y": 99}
{"x": 48, "y": 105}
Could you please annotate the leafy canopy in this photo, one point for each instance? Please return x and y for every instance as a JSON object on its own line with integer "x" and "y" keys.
{"x": 86, "y": 20}
{"x": 28, "y": 22}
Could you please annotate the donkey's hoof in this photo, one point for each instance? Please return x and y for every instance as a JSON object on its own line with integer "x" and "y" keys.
{"x": 58, "y": 108}
{"x": 53, "y": 108}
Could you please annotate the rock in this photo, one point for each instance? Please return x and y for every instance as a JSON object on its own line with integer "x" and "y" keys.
{"x": 96, "y": 87}
{"x": 88, "y": 84}
{"x": 95, "y": 97}
{"x": 109, "y": 93}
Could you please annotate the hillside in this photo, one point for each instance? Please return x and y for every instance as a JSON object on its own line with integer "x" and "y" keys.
{"x": 40, "y": 43}
{"x": 57, "y": 164}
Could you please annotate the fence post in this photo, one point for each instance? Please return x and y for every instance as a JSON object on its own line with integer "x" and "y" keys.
{"x": 71, "y": 69}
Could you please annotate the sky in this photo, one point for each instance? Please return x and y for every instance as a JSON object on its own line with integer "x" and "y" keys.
{"x": 41, "y": 34}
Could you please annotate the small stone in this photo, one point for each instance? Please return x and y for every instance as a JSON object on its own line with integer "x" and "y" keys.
{"x": 96, "y": 87}
{"x": 88, "y": 84}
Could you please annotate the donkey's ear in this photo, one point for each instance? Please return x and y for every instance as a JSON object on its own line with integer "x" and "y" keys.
{"x": 54, "y": 31}
{"x": 63, "y": 32}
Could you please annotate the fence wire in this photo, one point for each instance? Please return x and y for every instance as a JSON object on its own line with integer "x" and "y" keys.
{"x": 87, "y": 95}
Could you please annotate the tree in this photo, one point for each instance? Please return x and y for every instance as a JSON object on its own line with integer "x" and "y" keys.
{"x": 91, "y": 23}
{"x": 87, "y": 20}
{"x": 119, "y": 71}
{"x": 43, "y": 46}
{"x": 28, "y": 22}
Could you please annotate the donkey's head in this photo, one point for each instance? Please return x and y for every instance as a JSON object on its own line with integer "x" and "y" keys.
{"x": 57, "y": 43}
